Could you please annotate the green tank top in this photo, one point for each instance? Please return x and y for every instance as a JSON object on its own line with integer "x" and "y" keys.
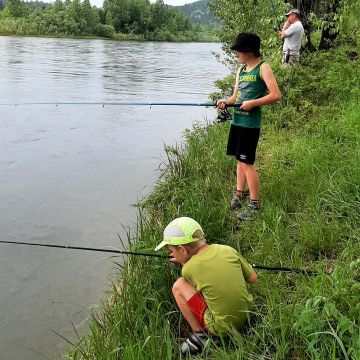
{"x": 250, "y": 86}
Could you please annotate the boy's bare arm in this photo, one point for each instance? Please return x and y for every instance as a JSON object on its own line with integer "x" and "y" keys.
{"x": 273, "y": 89}
{"x": 252, "y": 278}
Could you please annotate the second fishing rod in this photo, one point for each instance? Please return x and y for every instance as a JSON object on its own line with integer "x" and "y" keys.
{"x": 149, "y": 254}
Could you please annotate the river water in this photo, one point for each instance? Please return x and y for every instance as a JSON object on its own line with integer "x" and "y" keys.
{"x": 70, "y": 174}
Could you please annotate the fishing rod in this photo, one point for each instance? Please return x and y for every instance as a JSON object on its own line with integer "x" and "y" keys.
{"x": 284, "y": 269}
{"x": 103, "y": 104}
{"x": 125, "y": 252}
{"x": 136, "y": 253}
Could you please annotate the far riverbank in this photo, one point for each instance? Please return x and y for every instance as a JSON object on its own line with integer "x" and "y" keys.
{"x": 121, "y": 37}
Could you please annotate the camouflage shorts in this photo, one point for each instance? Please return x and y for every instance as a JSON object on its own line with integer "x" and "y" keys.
{"x": 292, "y": 59}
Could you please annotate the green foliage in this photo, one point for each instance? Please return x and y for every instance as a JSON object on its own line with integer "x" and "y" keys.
{"x": 259, "y": 17}
{"x": 332, "y": 19}
{"x": 348, "y": 20}
{"x": 106, "y": 31}
{"x": 15, "y": 9}
{"x": 198, "y": 12}
{"x": 156, "y": 21}
{"x": 119, "y": 19}
{"x": 329, "y": 319}
{"x": 72, "y": 18}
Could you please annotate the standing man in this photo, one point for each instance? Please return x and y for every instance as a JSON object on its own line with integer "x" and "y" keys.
{"x": 293, "y": 33}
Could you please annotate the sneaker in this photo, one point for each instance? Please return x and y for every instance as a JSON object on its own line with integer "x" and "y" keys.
{"x": 194, "y": 344}
{"x": 236, "y": 201}
{"x": 249, "y": 212}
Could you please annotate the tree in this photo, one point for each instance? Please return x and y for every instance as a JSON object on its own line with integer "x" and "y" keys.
{"x": 139, "y": 16}
{"x": 325, "y": 16}
{"x": 118, "y": 14}
{"x": 349, "y": 19}
{"x": 159, "y": 18}
{"x": 259, "y": 17}
{"x": 59, "y": 5}
{"x": 91, "y": 17}
{"x": 321, "y": 15}
{"x": 15, "y": 9}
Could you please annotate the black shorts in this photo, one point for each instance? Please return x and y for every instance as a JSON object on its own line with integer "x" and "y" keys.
{"x": 242, "y": 143}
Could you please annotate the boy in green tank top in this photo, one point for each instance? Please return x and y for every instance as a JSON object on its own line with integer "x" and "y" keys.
{"x": 255, "y": 86}
{"x": 211, "y": 294}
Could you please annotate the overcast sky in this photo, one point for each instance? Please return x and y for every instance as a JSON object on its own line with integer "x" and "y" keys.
{"x": 99, "y": 3}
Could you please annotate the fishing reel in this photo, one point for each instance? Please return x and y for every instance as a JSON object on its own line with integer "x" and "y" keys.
{"x": 223, "y": 116}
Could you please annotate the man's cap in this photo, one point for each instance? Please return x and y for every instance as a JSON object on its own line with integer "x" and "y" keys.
{"x": 180, "y": 232}
{"x": 247, "y": 42}
{"x": 293, "y": 11}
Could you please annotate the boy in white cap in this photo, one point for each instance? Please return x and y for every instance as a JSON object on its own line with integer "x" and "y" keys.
{"x": 211, "y": 294}
{"x": 292, "y": 32}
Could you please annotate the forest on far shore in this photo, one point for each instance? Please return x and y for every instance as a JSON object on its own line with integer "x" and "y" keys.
{"x": 117, "y": 19}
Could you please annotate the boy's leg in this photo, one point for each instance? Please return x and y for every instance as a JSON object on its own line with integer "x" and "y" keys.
{"x": 196, "y": 342}
{"x": 240, "y": 179}
{"x": 240, "y": 194}
{"x": 252, "y": 179}
{"x": 183, "y": 291}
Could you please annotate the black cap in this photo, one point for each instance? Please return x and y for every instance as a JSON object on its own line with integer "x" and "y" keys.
{"x": 247, "y": 42}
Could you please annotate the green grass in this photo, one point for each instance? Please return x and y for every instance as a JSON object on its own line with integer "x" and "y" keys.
{"x": 310, "y": 176}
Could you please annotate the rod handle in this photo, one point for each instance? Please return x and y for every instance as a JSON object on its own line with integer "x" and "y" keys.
{"x": 230, "y": 105}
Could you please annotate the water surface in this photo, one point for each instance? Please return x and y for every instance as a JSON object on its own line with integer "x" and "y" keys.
{"x": 68, "y": 175}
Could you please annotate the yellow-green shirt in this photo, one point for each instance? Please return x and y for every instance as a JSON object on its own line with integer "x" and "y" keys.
{"x": 219, "y": 273}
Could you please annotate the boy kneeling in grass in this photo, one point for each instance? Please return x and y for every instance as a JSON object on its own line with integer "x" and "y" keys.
{"x": 211, "y": 294}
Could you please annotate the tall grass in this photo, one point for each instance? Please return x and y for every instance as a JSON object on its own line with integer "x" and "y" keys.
{"x": 310, "y": 218}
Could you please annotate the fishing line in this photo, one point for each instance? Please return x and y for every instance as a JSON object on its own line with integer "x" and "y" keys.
{"x": 136, "y": 253}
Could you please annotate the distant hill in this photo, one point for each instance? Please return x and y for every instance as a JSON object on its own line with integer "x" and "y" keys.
{"x": 198, "y": 12}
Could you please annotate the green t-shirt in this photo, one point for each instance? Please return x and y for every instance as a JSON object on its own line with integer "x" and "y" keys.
{"x": 219, "y": 273}
{"x": 250, "y": 86}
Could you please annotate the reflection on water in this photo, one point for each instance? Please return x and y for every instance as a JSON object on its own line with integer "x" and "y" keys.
{"x": 69, "y": 175}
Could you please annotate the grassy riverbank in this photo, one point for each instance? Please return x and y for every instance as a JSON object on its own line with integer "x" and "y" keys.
{"x": 309, "y": 163}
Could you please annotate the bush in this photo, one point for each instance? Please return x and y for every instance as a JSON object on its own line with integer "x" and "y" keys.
{"x": 107, "y": 31}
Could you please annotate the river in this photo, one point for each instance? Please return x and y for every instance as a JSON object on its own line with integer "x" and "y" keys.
{"x": 70, "y": 174}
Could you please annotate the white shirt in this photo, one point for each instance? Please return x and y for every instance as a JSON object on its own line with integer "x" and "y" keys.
{"x": 294, "y": 34}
